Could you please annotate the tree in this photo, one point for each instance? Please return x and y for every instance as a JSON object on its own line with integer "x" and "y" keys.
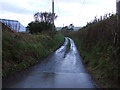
{"x": 65, "y": 28}
{"x": 38, "y": 27}
{"x": 36, "y": 16}
{"x": 44, "y": 17}
{"x": 43, "y": 22}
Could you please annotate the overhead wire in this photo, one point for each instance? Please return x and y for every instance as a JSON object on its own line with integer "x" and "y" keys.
{"x": 79, "y": 13}
{"x": 48, "y": 4}
{"x": 80, "y": 10}
{"x": 58, "y": 7}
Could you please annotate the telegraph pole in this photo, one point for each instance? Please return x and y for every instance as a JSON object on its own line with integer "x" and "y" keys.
{"x": 53, "y": 15}
{"x": 117, "y": 33}
{"x": 118, "y": 21}
{"x": 118, "y": 13}
{"x": 53, "y": 12}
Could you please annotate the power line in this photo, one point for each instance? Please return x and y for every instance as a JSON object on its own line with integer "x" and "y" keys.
{"x": 80, "y": 10}
{"x": 58, "y": 7}
{"x": 48, "y": 4}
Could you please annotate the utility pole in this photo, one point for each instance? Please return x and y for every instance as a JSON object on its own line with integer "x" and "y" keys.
{"x": 53, "y": 12}
{"x": 118, "y": 13}
{"x": 117, "y": 33}
{"x": 118, "y": 21}
{"x": 53, "y": 15}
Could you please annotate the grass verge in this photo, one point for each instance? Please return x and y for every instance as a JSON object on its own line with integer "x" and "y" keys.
{"x": 100, "y": 63}
{"x": 67, "y": 48}
{"x": 21, "y": 50}
{"x": 96, "y": 45}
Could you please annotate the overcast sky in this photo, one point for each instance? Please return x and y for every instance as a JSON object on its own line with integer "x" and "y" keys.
{"x": 77, "y": 12}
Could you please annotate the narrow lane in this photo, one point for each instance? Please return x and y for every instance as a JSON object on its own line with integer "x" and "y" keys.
{"x": 56, "y": 71}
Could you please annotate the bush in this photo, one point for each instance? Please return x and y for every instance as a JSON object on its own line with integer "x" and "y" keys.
{"x": 38, "y": 27}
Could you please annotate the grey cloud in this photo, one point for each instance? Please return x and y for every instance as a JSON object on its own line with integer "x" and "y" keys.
{"x": 8, "y": 7}
{"x": 79, "y": 1}
{"x": 70, "y": 1}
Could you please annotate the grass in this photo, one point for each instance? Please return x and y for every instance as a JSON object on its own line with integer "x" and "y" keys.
{"x": 67, "y": 48}
{"x": 22, "y": 50}
{"x": 96, "y": 45}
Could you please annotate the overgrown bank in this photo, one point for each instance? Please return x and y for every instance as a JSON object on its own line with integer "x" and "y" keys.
{"x": 21, "y": 50}
{"x": 96, "y": 45}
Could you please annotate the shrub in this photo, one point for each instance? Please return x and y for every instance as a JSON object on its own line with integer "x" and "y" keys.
{"x": 38, "y": 27}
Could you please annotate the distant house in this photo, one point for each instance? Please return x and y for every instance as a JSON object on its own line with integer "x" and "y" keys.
{"x": 13, "y": 24}
{"x": 71, "y": 27}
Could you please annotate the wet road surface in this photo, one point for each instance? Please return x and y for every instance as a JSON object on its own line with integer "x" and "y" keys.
{"x": 59, "y": 70}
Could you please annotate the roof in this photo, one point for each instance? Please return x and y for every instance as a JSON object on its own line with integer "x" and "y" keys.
{"x": 13, "y": 24}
